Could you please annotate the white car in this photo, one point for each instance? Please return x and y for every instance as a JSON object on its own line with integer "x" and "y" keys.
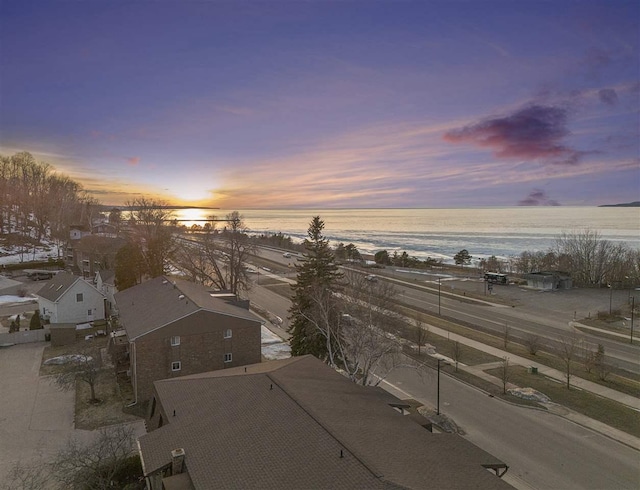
{"x": 286, "y": 255}
{"x": 371, "y": 278}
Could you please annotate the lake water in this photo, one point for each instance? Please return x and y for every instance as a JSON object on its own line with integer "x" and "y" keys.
{"x": 441, "y": 233}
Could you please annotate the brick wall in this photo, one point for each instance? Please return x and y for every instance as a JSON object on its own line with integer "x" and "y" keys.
{"x": 202, "y": 348}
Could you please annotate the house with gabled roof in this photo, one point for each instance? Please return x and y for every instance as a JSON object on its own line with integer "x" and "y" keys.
{"x": 297, "y": 423}
{"x": 70, "y": 299}
{"x": 175, "y": 328}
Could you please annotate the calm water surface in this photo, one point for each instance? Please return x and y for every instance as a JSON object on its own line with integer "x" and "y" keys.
{"x": 441, "y": 233}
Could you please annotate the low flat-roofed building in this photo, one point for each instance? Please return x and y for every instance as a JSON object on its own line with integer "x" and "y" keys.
{"x": 548, "y": 280}
{"x": 297, "y": 423}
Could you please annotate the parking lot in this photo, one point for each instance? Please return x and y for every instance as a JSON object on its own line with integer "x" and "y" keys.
{"x": 36, "y": 418}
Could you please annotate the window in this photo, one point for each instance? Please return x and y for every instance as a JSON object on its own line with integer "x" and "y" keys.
{"x": 89, "y": 312}
{"x": 175, "y": 340}
{"x": 176, "y": 366}
{"x": 228, "y": 357}
{"x": 79, "y": 298}
{"x": 160, "y": 422}
{"x": 227, "y": 333}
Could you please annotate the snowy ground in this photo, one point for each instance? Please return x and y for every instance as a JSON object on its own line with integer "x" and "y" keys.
{"x": 7, "y": 300}
{"x": 15, "y": 256}
{"x": 273, "y": 346}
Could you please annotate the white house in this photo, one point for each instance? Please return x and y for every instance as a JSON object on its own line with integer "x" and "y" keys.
{"x": 70, "y": 299}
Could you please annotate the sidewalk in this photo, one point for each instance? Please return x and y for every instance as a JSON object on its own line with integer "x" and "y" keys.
{"x": 626, "y": 336}
{"x": 631, "y": 441}
{"x": 603, "y": 391}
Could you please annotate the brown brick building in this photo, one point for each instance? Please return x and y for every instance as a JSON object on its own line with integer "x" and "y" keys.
{"x": 175, "y": 328}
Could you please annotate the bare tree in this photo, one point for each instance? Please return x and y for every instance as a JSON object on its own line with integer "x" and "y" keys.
{"x": 599, "y": 363}
{"x": 239, "y": 247}
{"x": 109, "y": 461}
{"x": 85, "y": 367}
{"x": 567, "y": 351}
{"x": 456, "y": 352}
{"x": 504, "y": 373}
{"x": 202, "y": 260}
{"x": 357, "y": 328}
{"x": 590, "y": 259}
{"x": 506, "y": 335}
{"x": 421, "y": 334}
{"x": 153, "y": 225}
{"x": 34, "y": 475}
{"x": 532, "y": 343}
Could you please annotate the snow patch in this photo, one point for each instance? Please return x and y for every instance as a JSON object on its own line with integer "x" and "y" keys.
{"x": 9, "y": 299}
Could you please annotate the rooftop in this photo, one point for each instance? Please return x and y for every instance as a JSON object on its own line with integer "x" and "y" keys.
{"x": 251, "y": 429}
{"x": 163, "y": 300}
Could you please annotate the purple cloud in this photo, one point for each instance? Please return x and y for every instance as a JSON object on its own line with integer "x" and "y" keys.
{"x": 535, "y": 132}
{"x": 538, "y": 197}
{"x": 608, "y": 96}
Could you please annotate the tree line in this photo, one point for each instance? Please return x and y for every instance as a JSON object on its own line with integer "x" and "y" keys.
{"x": 37, "y": 201}
{"x": 588, "y": 258}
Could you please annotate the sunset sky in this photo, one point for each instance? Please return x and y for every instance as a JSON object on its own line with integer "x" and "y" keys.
{"x": 321, "y": 104}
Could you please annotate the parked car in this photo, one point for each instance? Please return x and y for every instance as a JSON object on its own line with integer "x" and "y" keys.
{"x": 371, "y": 278}
{"x": 286, "y": 255}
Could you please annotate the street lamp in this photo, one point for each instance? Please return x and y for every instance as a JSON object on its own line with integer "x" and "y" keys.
{"x": 610, "y": 297}
{"x": 439, "y": 306}
{"x": 438, "y": 394}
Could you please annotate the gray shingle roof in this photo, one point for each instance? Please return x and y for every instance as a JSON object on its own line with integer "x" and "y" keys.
{"x": 163, "y": 300}
{"x": 57, "y": 286}
{"x": 283, "y": 424}
{"x": 107, "y": 276}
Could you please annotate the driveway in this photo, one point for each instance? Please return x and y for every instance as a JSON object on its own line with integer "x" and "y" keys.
{"x": 36, "y": 419}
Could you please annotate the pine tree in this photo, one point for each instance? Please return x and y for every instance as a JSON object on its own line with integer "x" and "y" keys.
{"x": 35, "y": 323}
{"x": 317, "y": 270}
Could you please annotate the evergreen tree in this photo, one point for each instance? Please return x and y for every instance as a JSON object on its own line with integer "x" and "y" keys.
{"x": 462, "y": 257}
{"x": 129, "y": 266}
{"x": 35, "y": 323}
{"x": 317, "y": 270}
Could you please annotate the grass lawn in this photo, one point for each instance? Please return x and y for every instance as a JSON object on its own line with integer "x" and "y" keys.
{"x": 598, "y": 408}
{"x": 622, "y": 381}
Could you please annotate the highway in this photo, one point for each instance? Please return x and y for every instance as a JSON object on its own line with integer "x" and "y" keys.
{"x": 548, "y": 319}
{"x": 522, "y": 322}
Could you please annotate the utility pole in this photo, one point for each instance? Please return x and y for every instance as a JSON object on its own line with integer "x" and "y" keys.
{"x": 438, "y": 395}
{"x": 439, "y": 306}
{"x": 610, "y": 297}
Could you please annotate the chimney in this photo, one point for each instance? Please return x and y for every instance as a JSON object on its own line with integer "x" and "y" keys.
{"x": 177, "y": 461}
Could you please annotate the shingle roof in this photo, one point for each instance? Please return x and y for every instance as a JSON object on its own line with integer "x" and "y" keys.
{"x": 163, "y": 300}
{"x": 57, "y": 286}
{"x": 107, "y": 276}
{"x": 283, "y": 424}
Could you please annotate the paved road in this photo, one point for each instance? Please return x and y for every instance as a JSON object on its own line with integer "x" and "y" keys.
{"x": 523, "y": 320}
{"x": 542, "y": 450}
